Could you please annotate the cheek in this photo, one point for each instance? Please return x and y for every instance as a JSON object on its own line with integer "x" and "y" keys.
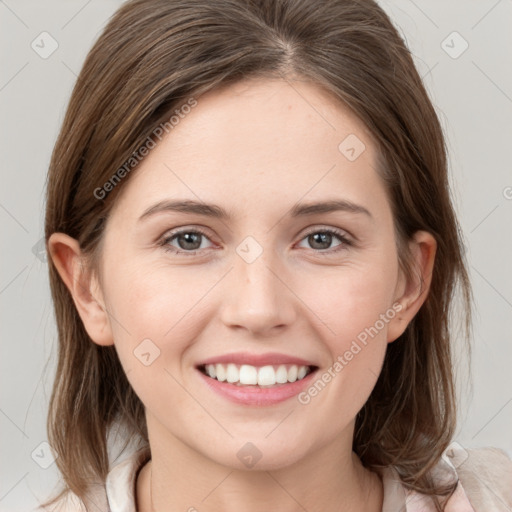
{"x": 158, "y": 304}
{"x": 351, "y": 299}
{"x": 357, "y": 310}
{"x": 152, "y": 328}
{"x": 150, "y": 299}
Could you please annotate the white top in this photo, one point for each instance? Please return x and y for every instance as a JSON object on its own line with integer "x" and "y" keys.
{"x": 484, "y": 485}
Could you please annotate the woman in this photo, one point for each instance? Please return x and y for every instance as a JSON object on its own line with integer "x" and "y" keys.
{"x": 253, "y": 260}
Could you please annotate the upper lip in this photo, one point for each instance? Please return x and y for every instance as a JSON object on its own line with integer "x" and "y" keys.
{"x": 266, "y": 359}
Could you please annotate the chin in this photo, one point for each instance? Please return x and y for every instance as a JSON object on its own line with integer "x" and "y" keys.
{"x": 258, "y": 455}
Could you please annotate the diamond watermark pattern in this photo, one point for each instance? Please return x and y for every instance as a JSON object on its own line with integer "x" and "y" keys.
{"x": 43, "y": 455}
{"x": 44, "y": 45}
{"x": 146, "y": 352}
{"x": 351, "y": 147}
{"x": 39, "y": 250}
{"x": 249, "y": 249}
{"x": 456, "y": 454}
{"x": 249, "y": 454}
{"x": 454, "y": 45}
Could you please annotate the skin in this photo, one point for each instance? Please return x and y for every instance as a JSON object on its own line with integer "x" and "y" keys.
{"x": 242, "y": 147}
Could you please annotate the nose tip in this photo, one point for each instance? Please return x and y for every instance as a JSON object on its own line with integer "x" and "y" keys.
{"x": 258, "y": 301}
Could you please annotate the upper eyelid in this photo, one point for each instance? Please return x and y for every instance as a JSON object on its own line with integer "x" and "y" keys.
{"x": 204, "y": 230}
{"x": 316, "y": 229}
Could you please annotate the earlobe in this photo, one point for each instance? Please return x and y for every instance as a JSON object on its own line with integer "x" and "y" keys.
{"x": 68, "y": 259}
{"x": 423, "y": 249}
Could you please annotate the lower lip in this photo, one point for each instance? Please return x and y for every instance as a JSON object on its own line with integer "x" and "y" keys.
{"x": 253, "y": 395}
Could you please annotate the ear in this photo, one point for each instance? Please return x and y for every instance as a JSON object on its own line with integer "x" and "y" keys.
{"x": 83, "y": 286}
{"x": 412, "y": 293}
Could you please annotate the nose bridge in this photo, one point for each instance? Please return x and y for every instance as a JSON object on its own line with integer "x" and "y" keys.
{"x": 260, "y": 300}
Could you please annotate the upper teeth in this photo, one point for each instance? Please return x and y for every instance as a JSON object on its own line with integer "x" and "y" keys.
{"x": 263, "y": 376}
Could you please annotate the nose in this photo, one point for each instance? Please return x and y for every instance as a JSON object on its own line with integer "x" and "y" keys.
{"x": 258, "y": 298}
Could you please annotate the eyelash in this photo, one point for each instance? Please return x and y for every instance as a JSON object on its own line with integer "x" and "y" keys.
{"x": 345, "y": 242}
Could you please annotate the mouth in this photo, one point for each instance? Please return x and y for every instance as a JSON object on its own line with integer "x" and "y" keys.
{"x": 245, "y": 375}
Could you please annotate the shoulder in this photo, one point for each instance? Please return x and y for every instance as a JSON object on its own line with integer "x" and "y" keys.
{"x": 485, "y": 474}
{"x": 116, "y": 494}
{"x": 483, "y": 477}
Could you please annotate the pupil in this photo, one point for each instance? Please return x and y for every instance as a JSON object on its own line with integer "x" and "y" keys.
{"x": 189, "y": 239}
{"x": 324, "y": 238}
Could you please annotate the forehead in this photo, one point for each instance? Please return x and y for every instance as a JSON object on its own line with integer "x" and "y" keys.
{"x": 260, "y": 143}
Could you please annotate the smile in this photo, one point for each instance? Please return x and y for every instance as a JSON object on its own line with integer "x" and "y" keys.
{"x": 262, "y": 376}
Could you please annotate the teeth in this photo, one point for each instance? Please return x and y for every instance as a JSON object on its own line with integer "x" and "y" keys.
{"x": 247, "y": 375}
{"x": 266, "y": 376}
{"x": 232, "y": 373}
{"x": 210, "y": 369}
{"x": 220, "y": 372}
{"x": 282, "y": 375}
{"x": 302, "y": 372}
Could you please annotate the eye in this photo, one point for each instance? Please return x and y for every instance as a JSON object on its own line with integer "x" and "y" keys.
{"x": 188, "y": 240}
{"x": 321, "y": 239}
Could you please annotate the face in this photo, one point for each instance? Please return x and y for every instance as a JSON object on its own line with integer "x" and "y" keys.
{"x": 269, "y": 277}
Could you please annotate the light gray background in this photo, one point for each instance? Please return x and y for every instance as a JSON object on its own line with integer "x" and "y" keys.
{"x": 472, "y": 94}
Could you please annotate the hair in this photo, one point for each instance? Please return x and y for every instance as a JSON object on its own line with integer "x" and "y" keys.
{"x": 152, "y": 57}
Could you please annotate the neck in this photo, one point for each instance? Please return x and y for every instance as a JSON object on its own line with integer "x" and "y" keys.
{"x": 337, "y": 484}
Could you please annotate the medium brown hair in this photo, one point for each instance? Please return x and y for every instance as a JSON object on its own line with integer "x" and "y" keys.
{"x": 152, "y": 57}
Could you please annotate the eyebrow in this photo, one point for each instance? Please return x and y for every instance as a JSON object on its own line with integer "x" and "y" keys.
{"x": 215, "y": 211}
